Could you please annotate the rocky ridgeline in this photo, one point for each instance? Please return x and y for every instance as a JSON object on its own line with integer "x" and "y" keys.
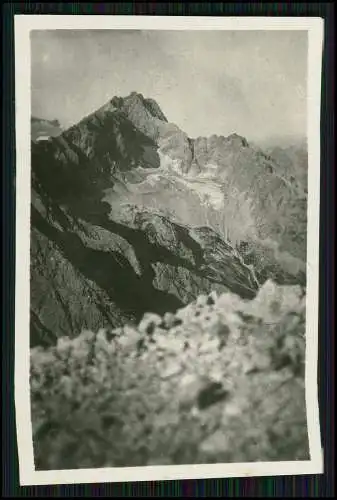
{"x": 120, "y": 269}
{"x": 222, "y": 380}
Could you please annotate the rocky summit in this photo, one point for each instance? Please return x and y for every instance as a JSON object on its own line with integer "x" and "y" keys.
{"x": 167, "y": 288}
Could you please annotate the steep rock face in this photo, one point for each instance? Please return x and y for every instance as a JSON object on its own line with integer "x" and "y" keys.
{"x": 116, "y": 271}
{"x": 277, "y": 201}
{"x": 146, "y": 261}
{"x": 216, "y": 151}
{"x": 147, "y": 117}
{"x": 293, "y": 159}
{"x": 63, "y": 296}
{"x": 269, "y": 262}
{"x": 202, "y": 248}
{"x": 145, "y": 114}
{"x": 275, "y": 195}
{"x": 132, "y": 132}
{"x": 111, "y": 140}
{"x": 221, "y": 380}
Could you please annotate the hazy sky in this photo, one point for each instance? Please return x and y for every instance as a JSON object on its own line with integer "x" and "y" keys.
{"x": 207, "y": 82}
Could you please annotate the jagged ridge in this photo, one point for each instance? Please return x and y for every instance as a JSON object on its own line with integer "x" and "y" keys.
{"x": 119, "y": 271}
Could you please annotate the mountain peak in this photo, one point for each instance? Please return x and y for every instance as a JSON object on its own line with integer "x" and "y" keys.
{"x": 238, "y": 139}
{"x": 136, "y": 103}
{"x": 135, "y": 95}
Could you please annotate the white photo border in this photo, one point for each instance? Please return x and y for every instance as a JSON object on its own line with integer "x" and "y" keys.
{"x": 23, "y": 25}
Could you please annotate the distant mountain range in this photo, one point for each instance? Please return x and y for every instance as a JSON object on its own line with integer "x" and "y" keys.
{"x": 131, "y": 215}
{"x": 41, "y": 128}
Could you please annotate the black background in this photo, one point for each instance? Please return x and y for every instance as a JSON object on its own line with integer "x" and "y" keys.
{"x": 283, "y": 487}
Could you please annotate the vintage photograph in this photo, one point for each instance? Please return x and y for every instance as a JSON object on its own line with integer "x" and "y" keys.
{"x": 168, "y": 247}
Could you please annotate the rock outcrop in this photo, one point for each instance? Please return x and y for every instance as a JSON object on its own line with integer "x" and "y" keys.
{"x": 221, "y": 380}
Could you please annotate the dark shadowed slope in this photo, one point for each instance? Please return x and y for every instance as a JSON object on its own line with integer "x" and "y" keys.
{"x": 89, "y": 267}
{"x": 260, "y": 198}
{"x": 88, "y": 270}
